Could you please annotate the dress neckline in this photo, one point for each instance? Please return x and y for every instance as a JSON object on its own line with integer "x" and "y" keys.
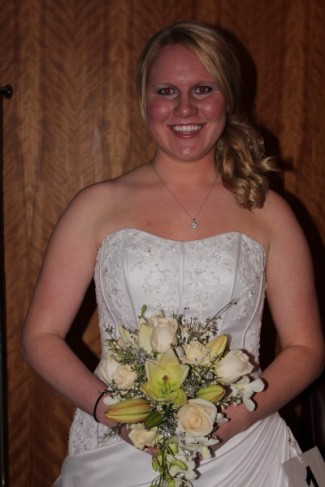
{"x": 181, "y": 242}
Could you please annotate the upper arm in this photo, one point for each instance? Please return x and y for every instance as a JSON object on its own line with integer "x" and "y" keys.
{"x": 290, "y": 280}
{"x": 67, "y": 270}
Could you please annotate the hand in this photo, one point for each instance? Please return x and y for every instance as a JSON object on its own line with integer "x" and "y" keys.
{"x": 124, "y": 434}
{"x": 151, "y": 450}
{"x": 239, "y": 419}
{"x": 124, "y": 430}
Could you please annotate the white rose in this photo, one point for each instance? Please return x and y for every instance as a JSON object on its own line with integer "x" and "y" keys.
{"x": 124, "y": 377}
{"x": 196, "y": 353}
{"x": 107, "y": 368}
{"x": 141, "y": 437}
{"x": 233, "y": 366}
{"x": 163, "y": 333}
{"x": 197, "y": 417}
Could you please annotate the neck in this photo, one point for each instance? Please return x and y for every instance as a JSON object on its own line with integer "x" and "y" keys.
{"x": 193, "y": 216}
{"x": 186, "y": 173}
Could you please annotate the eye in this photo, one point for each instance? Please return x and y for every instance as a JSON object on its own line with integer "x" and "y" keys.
{"x": 202, "y": 89}
{"x": 166, "y": 91}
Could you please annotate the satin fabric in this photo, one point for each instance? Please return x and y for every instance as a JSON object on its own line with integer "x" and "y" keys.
{"x": 252, "y": 458}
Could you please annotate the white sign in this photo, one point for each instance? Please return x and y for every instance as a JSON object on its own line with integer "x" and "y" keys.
{"x": 306, "y": 469}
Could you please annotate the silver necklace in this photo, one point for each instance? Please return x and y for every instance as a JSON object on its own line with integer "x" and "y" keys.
{"x": 194, "y": 218}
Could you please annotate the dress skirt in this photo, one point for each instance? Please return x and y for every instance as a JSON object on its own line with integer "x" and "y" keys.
{"x": 253, "y": 458}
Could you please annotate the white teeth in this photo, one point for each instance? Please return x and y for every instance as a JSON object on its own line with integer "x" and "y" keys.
{"x": 186, "y": 128}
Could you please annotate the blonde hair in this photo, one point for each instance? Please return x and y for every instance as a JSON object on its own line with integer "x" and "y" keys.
{"x": 240, "y": 154}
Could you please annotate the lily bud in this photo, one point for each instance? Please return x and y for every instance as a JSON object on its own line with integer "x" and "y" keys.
{"x": 129, "y": 411}
{"x": 155, "y": 464}
{"x": 160, "y": 458}
{"x": 178, "y": 463}
{"x": 173, "y": 447}
{"x": 217, "y": 346}
{"x": 212, "y": 393}
{"x": 144, "y": 336}
{"x": 153, "y": 419}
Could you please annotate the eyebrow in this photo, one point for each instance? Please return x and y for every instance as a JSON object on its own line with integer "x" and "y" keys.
{"x": 169, "y": 83}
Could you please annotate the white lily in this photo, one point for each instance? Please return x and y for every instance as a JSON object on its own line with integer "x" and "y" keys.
{"x": 195, "y": 444}
{"x": 221, "y": 418}
{"x": 178, "y": 482}
{"x": 247, "y": 389}
{"x": 205, "y": 453}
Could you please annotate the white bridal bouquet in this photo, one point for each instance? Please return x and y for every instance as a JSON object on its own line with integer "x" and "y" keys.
{"x": 169, "y": 381}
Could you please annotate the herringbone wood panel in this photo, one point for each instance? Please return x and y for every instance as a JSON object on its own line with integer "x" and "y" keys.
{"x": 73, "y": 120}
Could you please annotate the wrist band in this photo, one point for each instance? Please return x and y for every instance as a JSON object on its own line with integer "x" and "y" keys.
{"x": 101, "y": 394}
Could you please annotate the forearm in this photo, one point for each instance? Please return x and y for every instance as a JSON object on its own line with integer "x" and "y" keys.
{"x": 51, "y": 357}
{"x": 286, "y": 377}
{"x": 289, "y": 374}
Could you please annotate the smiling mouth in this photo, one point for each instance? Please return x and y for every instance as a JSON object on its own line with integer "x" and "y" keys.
{"x": 186, "y": 129}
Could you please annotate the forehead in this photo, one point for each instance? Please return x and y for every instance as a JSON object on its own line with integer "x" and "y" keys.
{"x": 178, "y": 63}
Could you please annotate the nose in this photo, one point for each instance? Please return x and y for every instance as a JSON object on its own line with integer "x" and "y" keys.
{"x": 185, "y": 105}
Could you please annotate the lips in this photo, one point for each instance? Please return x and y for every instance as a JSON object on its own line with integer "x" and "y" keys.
{"x": 186, "y": 129}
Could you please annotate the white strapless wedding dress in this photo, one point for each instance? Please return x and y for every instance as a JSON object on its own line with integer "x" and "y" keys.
{"x": 196, "y": 278}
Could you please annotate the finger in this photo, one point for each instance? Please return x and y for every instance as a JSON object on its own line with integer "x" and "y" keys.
{"x": 151, "y": 451}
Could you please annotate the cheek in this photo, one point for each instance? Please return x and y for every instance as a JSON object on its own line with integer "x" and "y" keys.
{"x": 157, "y": 111}
{"x": 217, "y": 109}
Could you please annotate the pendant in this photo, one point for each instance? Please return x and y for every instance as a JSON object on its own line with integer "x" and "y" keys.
{"x": 194, "y": 224}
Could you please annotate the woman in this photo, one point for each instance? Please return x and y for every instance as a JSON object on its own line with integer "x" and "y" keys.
{"x": 190, "y": 230}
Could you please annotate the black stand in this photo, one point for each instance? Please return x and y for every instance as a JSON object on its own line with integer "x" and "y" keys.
{"x": 5, "y": 92}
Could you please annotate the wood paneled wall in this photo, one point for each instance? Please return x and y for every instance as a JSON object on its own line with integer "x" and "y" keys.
{"x": 73, "y": 120}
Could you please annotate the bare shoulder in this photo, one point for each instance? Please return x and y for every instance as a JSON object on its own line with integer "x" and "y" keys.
{"x": 279, "y": 219}
{"x": 88, "y": 205}
{"x": 288, "y": 247}
{"x": 97, "y": 209}
{"x": 275, "y": 203}
{"x": 111, "y": 189}
{"x": 92, "y": 197}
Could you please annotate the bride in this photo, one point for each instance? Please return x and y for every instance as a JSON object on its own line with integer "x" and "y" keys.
{"x": 186, "y": 232}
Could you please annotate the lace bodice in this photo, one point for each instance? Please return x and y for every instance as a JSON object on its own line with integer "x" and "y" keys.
{"x": 196, "y": 278}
